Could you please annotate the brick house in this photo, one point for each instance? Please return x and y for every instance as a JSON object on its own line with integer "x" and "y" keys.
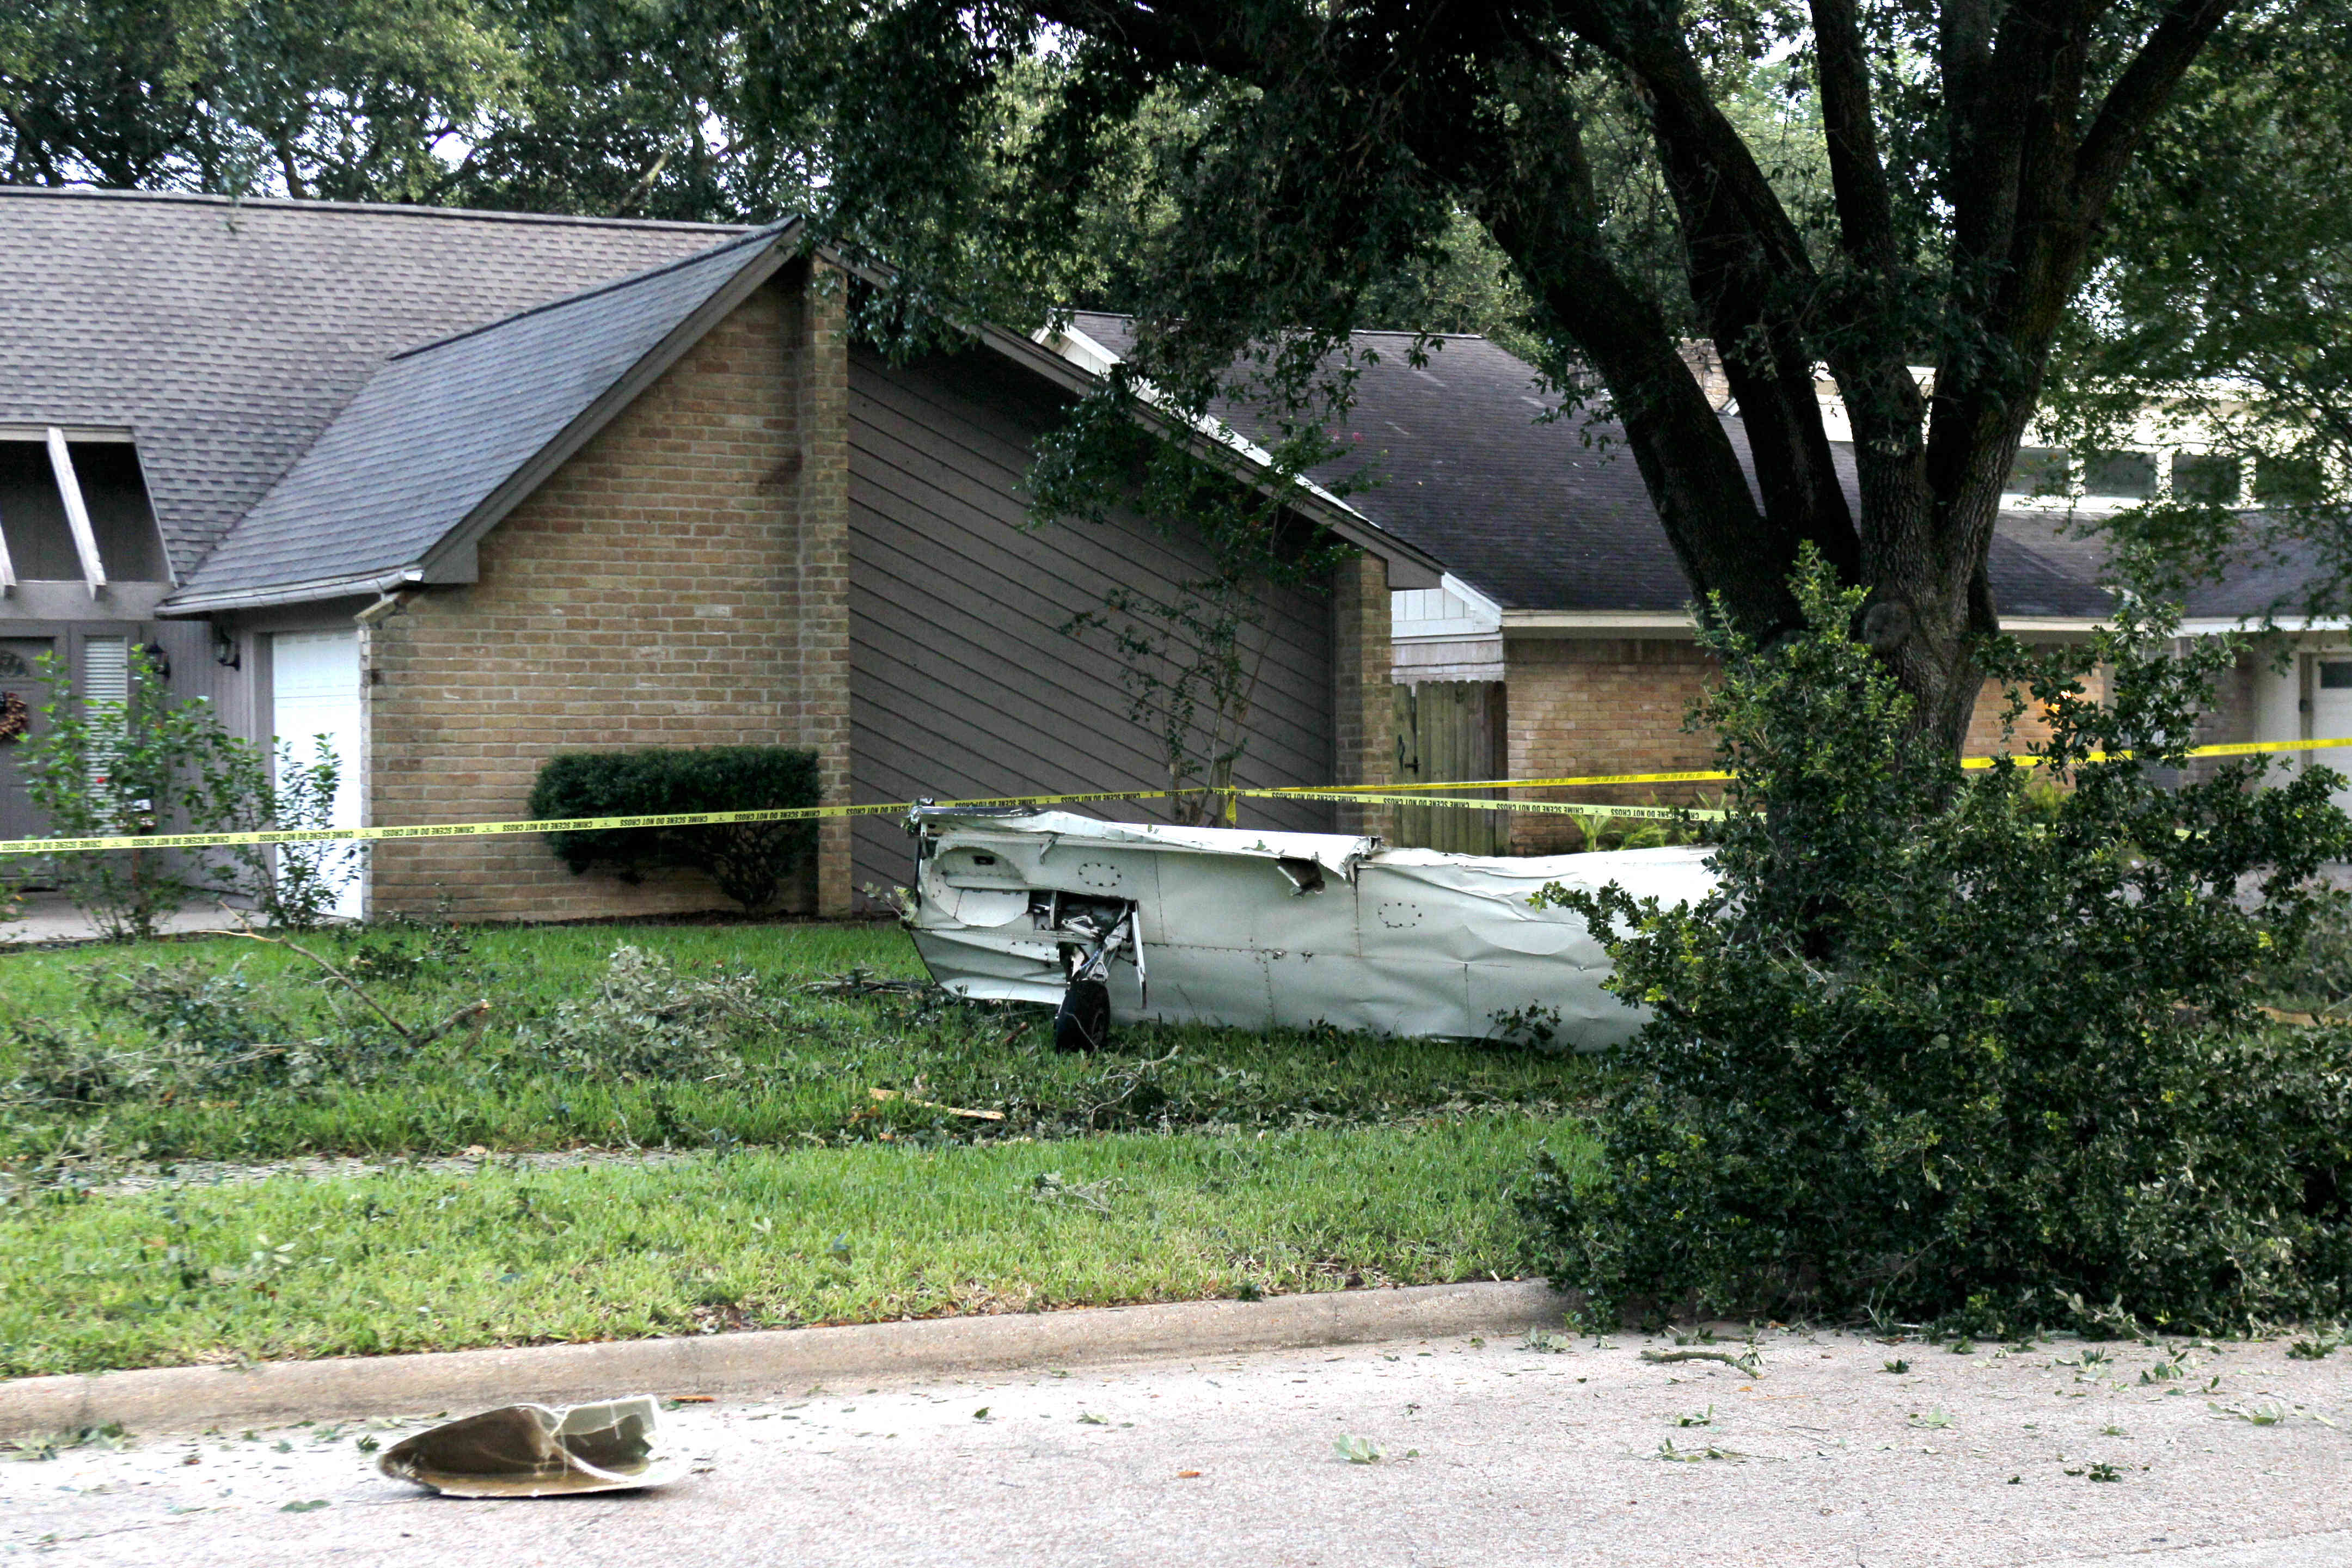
{"x": 464, "y": 490}
{"x": 1559, "y": 641}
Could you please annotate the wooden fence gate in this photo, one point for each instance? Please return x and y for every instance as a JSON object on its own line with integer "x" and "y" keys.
{"x": 1452, "y": 729}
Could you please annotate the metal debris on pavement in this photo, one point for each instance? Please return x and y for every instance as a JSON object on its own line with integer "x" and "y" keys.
{"x": 528, "y": 1450}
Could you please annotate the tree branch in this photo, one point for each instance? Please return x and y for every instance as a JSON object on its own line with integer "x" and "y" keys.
{"x": 1692, "y": 129}
{"x": 645, "y": 184}
{"x": 1173, "y": 32}
{"x": 1533, "y": 190}
{"x": 1749, "y": 271}
{"x": 2139, "y": 95}
{"x": 1857, "y": 177}
{"x": 1998, "y": 88}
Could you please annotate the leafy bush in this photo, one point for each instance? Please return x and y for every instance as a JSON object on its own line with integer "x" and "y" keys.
{"x": 295, "y": 885}
{"x": 749, "y": 861}
{"x": 1946, "y": 1047}
{"x": 647, "y": 1021}
{"x": 207, "y": 1033}
{"x": 159, "y": 764}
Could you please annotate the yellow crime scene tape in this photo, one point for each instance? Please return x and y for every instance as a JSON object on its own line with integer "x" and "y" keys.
{"x": 1700, "y": 775}
{"x": 1386, "y": 795}
{"x": 551, "y": 824}
{"x": 1556, "y": 807}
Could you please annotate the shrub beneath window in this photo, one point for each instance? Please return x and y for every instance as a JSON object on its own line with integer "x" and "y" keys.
{"x": 1950, "y": 1048}
{"x": 161, "y": 763}
{"x": 753, "y": 863}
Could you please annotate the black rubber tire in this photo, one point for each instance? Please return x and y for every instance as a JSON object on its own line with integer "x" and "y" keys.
{"x": 1083, "y": 1021}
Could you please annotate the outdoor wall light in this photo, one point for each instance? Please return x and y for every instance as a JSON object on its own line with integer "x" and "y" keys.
{"x": 226, "y": 650}
{"x": 157, "y": 659}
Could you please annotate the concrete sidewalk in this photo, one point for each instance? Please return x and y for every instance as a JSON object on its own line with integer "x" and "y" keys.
{"x": 51, "y": 918}
{"x": 1493, "y": 1453}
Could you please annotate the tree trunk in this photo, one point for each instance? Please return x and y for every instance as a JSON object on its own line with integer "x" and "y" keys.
{"x": 1485, "y": 106}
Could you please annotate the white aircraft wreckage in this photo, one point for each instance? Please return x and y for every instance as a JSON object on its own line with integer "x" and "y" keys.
{"x": 1126, "y": 921}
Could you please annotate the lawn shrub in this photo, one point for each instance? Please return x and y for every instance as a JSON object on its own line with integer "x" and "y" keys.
{"x": 160, "y": 764}
{"x": 750, "y": 862}
{"x": 1950, "y": 1047}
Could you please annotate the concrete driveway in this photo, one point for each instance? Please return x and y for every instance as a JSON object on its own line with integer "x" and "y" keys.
{"x": 1491, "y": 1453}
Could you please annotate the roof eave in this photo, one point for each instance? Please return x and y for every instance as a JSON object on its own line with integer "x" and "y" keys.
{"x": 452, "y": 558}
{"x": 219, "y": 600}
{"x": 1598, "y": 622}
{"x": 2218, "y": 626}
{"x": 1422, "y": 570}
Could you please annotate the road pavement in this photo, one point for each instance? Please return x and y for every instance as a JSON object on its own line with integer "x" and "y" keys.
{"x": 1490, "y": 1452}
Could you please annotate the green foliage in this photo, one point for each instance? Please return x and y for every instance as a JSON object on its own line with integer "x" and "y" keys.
{"x": 551, "y": 1063}
{"x": 159, "y": 764}
{"x": 2313, "y": 972}
{"x": 1936, "y": 1050}
{"x": 199, "y": 1032}
{"x": 644, "y": 108}
{"x": 750, "y": 862}
{"x": 646, "y": 1021}
{"x": 2227, "y": 302}
{"x": 235, "y": 95}
{"x": 295, "y": 885}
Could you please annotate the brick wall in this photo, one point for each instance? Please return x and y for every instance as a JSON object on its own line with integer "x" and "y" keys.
{"x": 1363, "y": 714}
{"x": 1582, "y": 706}
{"x": 1604, "y": 705}
{"x": 675, "y": 583}
{"x": 2234, "y": 716}
{"x": 1986, "y": 733}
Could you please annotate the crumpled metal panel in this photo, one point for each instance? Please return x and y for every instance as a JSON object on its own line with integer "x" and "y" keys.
{"x": 528, "y": 1450}
{"x": 1255, "y": 929}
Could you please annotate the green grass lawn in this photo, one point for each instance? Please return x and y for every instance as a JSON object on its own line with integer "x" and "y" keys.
{"x": 810, "y": 1067}
{"x": 1184, "y": 1163}
{"x": 412, "y": 1261}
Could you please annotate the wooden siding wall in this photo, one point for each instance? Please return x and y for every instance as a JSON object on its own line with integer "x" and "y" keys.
{"x": 962, "y": 684}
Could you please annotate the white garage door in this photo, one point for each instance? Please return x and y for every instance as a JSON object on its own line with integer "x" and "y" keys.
{"x": 315, "y": 681}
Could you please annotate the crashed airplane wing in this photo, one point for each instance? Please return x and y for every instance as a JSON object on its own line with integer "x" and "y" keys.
{"x": 1253, "y": 929}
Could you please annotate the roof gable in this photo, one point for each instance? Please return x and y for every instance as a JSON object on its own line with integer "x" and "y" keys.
{"x": 226, "y": 334}
{"x": 443, "y": 440}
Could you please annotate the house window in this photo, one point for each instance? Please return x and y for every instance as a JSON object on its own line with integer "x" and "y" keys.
{"x": 2040, "y": 470}
{"x": 74, "y": 510}
{"x": 2206, "y": 476}
{"x": 2131, "y": 475}
{"x": 2336, "y": 675}
{"x": 2289, "y": 481}
{"x": 106, "y": 671}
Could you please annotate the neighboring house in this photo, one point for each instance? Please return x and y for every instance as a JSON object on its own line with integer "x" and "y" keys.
{"x": 1559, "y": 642}
{"x": 464, "y": 490}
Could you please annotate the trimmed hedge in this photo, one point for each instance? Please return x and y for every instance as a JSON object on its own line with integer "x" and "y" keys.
{"x": 749, "y": 861}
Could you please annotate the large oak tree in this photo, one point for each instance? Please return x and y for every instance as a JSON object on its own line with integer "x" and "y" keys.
{"x": 1973, "y": 152}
